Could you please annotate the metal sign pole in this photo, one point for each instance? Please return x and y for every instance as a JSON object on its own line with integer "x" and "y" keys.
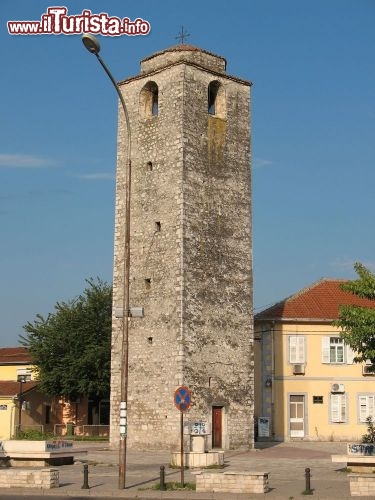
{"x": 182, "y": 447}
{"x": 182, "y": 401}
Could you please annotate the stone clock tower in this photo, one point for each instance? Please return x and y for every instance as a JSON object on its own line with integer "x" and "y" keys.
{"x": 191, "y": 251}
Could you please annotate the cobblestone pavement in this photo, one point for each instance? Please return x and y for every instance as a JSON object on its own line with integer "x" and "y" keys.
{"x": 285, "y": 463}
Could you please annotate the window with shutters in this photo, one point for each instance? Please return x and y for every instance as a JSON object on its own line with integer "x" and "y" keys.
{"x": 296, "y": 349}
{"x": 338, "y": 408}
{"x": 366, "y": 406}
{"x": 333, "y": 350}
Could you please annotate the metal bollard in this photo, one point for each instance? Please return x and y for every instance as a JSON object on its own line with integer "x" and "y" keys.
{"x": 162, "y": 478}
{"x": 308, "y": 489}
{"x": 85, "y": 485}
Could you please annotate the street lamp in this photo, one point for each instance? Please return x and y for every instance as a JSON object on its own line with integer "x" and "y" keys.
{"x": 21, "y": 379}
{"x": 93, "y": 46}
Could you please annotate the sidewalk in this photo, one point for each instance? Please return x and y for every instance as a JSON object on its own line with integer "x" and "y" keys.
{"x": 285, "y": 463}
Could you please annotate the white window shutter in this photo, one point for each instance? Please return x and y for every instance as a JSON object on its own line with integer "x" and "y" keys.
{"x": 325, "y": 349}
{"x": 301, "y": 350}
{"x": 349, "y": 355}
{"x": 296, "y": 349}
{"x": 362, "y": 408}
{"x": 371, "y": 406}
{"x": 366, "y": 407}
{"x": 338, "y": 408}
{"x": 343, "y": 407}
{"x": 335, "y": 407}
{"x": 292, "y": 349}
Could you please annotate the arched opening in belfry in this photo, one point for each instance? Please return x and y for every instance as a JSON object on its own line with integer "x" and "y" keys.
{"x": 216, "y": 99}
{"x": 149, "y": 99}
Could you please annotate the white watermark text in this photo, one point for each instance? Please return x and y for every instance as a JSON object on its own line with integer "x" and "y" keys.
{"x": 57, "y": 22}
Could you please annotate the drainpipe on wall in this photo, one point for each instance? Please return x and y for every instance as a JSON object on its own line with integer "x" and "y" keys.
{"x": 272, "y": 329}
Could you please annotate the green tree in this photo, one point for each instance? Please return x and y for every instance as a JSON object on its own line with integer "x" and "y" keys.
{"x": 369, "y": 437}
{"x": 356, "y": 322}
{"x": 71, "y": 348}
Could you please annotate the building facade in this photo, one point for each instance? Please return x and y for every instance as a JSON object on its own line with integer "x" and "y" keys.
{"x": 307, "y": 384}
{"x": 20, "y": 402}
{"x": 190, "y": 261}
{"x": 23, "y": 407}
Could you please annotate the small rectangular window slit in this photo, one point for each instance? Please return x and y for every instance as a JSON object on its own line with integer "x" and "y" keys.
{"x": 157, "y": 226}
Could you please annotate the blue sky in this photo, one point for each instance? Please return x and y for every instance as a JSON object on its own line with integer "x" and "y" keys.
{"x": 313, "y": 119}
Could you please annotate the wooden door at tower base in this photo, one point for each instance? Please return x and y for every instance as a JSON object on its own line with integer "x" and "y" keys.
{"x": 217, "y": 426}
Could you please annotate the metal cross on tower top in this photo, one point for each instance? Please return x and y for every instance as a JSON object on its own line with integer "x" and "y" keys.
{"x": 182, "y": 35}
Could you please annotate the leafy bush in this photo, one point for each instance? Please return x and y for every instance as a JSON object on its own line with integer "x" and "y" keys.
{"x": 370, "y": 436}
{"x": 33, "y": 435}
{"x": 175, "y": 486}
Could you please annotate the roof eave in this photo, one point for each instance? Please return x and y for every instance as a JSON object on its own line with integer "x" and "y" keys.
{"x": 294, "y": 320}
{"x": 11, "y": 363}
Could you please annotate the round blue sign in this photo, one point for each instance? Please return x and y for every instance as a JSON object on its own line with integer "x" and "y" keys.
{"x": 182, "y": 398}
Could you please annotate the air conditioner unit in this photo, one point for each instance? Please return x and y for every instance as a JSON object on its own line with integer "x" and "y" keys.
{"x": 299, "y": 369}
{"x": 338, "y": 388}
{"x": 368, "y": 370}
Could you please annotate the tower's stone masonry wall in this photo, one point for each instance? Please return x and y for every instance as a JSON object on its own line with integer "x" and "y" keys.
{"x": 217, "y": 264}
{"x": 196, "y": 57}
{"x": 155, "y": 355}
{"x": 190, "y": 256}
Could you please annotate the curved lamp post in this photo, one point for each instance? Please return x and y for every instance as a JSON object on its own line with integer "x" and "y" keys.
{"x": 93, "y": 46}
{"x": 22, "y": 380}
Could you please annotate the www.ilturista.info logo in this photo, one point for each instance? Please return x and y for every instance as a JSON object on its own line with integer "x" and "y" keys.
{"x": 56, "y": 22}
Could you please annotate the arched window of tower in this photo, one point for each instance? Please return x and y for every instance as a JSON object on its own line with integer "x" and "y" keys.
{"x": 216, "y": 99}
{"x": 149, "y": 100}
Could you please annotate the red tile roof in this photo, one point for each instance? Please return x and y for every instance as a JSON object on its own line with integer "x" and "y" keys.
{"x": 320, "y": 301}
{"x": 14, "y": 355}
{"x": 10, "y": 388}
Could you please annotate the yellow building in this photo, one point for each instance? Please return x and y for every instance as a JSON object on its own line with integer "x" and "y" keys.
{"x": 20, "y": 401}
{"x": 307, "y": 385}
{"x": 23, "y": 406}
